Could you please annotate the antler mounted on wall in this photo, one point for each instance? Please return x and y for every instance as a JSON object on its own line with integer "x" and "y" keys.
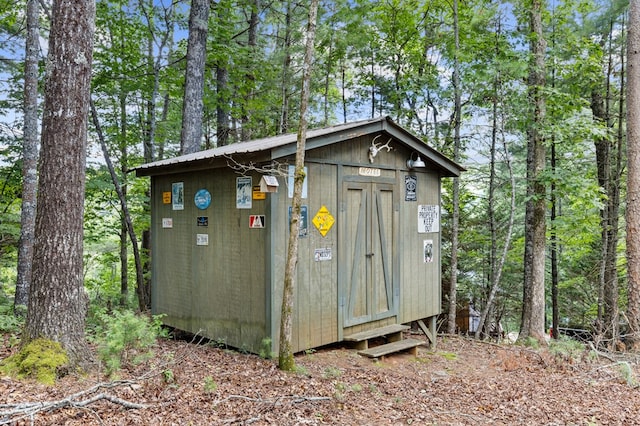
{"x": 374, "y": 149}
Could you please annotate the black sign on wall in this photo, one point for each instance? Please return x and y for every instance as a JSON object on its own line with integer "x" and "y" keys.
{"x": 410, "y": 185}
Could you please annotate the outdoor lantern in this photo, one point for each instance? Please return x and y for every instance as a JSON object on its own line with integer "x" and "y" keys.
{"x": 415, "y": 164}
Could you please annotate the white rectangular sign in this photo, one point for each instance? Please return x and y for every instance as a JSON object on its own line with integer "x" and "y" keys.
{"x": 428, "y": 219}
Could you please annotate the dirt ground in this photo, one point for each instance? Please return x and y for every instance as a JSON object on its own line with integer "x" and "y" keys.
{"x": 462, "y": 382}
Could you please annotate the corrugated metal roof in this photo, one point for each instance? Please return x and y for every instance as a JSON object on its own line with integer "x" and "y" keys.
{"x": 271, "y": 143}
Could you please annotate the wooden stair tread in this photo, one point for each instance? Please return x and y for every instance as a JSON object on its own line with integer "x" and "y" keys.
{"x": 377, "y": 332}
{"x": 389, "y": 348}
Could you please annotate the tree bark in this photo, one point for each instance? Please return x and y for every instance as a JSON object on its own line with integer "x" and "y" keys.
{"x": 533, "y": 309}
{"x": 57, "y": 300}
{"x": 191, "y": 134}
{"x": 29, "y": 160}
{"x": 285, "y": 353}
{"x": 453, "y": 283}
{"x": 633, "y": 173}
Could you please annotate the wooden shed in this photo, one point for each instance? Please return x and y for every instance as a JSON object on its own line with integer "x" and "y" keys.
{"x": 369, "y": 251}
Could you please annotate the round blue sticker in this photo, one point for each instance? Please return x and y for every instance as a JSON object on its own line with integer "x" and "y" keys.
{"x": 202, "y": 199}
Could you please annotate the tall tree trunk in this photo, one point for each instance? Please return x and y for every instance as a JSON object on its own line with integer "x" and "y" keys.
{"x": 633, "y": 173}
{"x": 284, "y": 111}
{"x": 533, "y": 308}
{"x": 57, "y": 299}
{"x": 252, "y": 42}
{"x": 124, "y": 259}
{"x": 285, "y": 359}
{"x": 496, "y": 264}
{"x": 192, "y": 107}
{"x": 222, "y": 105}
{"x": 143, "y": 300}
{"x": 29, "y": 160}
{"x": 453, "y": 283}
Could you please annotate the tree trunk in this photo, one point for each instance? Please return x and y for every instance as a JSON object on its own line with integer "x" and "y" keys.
{"x": 533, "y": 309}
{"x": 285, "y": 360}
{"x": 57, "y": 299}
{"x": 124, "y": 258}
{"x": 29, "y": 160}
{"x": 191, "y": 134}
{"x": 222, "y": 105}
{"x": 143, "y": 296}
{"x": 453, "y": 283}
{"x": 284, "y": 112}
{"x": 252, "y": 42}
{"x": 633, "y": 172}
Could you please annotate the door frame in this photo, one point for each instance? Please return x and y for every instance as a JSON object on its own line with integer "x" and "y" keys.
{"x": 345, "y": 258}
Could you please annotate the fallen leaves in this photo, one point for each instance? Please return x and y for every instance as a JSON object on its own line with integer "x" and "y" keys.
{"x": 481, "y": 384}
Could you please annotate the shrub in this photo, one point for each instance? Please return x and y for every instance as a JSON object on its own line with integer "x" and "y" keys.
{"x": 124, "y": 338}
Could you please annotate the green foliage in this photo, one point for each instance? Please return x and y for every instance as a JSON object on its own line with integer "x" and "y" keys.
{"x": 331, "y": 372}
{"x": 210, "y": 385}
{"x": 265, "y": 349}
{"x": 531, "y": 342}
{"x": 124, "y": 338}
{"x": 566, "y": 349}
{"x": 9, "y": 322}
{"x": 41, "y": 359}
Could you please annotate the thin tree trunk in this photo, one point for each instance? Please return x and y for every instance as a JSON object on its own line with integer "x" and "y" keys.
{"x": 284, "y": 112}
{"x": 142, "y": 295}
{"x": 29, "y": 160}
{"x": 285, "y": 360}
{"x": 57, "y": 299}
{"x": 496, "y": 264}
{"x": 250, "y": 75}
{"x": 453, "y": 283}
{"x": 633, "y": 173}
{"x": 192, "y": 107}
{"x": 533, "y": 309}
{"x": 222, "y": 105}
{"x": 124, "y": 258}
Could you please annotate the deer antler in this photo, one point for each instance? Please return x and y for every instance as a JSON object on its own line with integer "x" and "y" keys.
{"x": 374, "y": 149}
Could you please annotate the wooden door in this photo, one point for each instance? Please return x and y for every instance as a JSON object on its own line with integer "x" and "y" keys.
{"x": 367, "y": 252}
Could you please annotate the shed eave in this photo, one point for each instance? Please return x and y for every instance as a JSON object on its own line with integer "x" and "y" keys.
{"x": 285, "y": 145}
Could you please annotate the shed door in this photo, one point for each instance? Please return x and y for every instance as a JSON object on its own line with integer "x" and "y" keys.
{"x": 367, "y": 244}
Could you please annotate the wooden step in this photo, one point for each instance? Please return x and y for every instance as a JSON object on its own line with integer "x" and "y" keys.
{"x": 393, "y": 347}
{"x": 393, "y": 329}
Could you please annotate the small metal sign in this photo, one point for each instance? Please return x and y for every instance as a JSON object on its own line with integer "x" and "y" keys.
{"x": 303, "y": 230}
{"x": 410, "y": 186}
{"x": 369, "y": 171}
{"x": 428, "y": 219}
{"x": 202, "y": 199}
{"x": 203, "y": 221}
{"x": 322, "y": 254}
{"x": 166, "y": 197}
{"x": 256, "y": 221}
{"x": 323, "y": 220}
{"x": 202, "y": 239}
{"x": 257, "y": 194}
{"x": 167, "y": 222}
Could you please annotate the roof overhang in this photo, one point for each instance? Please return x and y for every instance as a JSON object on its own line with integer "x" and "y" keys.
{"x": 273, "y": 148}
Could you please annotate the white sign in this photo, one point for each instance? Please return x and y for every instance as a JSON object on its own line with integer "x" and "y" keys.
{"x": 202, "y": 239}
{"x": 428, "y": 219}
{"x": 427, "y": 251}
{"x": 369, "y": 171}
{"x": 167, "y": 222}
{"x": 322, "y": 254}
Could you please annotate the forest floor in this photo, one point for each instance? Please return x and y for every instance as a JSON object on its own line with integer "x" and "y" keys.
{"x": 462, "y": 382}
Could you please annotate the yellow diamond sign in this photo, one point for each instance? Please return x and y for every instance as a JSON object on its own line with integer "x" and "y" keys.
{"x": 323, "y": 220}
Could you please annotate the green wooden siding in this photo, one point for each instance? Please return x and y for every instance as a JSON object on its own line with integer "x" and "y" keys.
{"x": 231, "y": 290}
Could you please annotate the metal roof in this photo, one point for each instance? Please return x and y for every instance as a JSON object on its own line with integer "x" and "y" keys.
{"x": 283, "y": 145}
